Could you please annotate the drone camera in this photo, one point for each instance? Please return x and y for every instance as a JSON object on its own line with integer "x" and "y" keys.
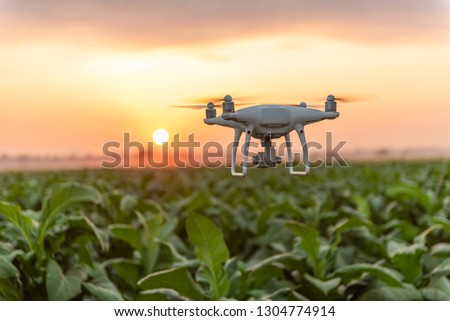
{"x": 267, "y": 158}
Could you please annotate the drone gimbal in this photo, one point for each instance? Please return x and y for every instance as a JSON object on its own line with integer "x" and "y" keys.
{"x": 265, "y": 122}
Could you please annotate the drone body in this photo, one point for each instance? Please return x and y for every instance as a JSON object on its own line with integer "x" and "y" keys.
{"x": 265, "y": 122}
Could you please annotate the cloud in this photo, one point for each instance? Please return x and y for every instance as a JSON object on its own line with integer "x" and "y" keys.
{"x": 143, "y": 24}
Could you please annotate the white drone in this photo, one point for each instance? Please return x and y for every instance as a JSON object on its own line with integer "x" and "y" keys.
{"x": 265, "y": 122}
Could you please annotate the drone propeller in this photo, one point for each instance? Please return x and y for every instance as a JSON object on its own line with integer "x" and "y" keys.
{"x": 196, "y": 106}
{"x": 239, "y": 100}
{"x": 345, "y": 99}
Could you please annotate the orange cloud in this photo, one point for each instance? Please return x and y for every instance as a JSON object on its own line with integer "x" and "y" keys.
{"x": 149, "y": 24}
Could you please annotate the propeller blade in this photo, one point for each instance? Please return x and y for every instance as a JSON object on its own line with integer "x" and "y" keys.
{"x": 190, "y": 106}
{"x": 240, "y": 99}
{"x": 345, "y": 98}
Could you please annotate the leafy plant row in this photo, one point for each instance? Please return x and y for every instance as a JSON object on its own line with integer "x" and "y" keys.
{"x": 368, "y": 232}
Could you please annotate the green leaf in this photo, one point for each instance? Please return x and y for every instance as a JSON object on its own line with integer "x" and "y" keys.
{"x": 127, "y": 270}
{"x": 323, "y": 286}
{"x": 128, "y": 234}
{"x": 177, "y": 279}
{"x": 100, "y": 285}
{"x": 421, "y": 239}
{"x": 408, "y": 259}
{"x": 309, "y": 242}
{"x": 362, "y": 205}
{"x": 389, "y": 276}
{"x": 268, "y": 261}
{"x": 7, "y": 269}
{"x": 392, "y": 294}
{"x": 413, "y": 193}
{"x": 83, "y": 222}
{"x": 23, "y": 223}
{"x": 440, "y": 270}
{"x": 160, "y": 295}
{"x": 210, "y": 249}
{"x": 435, "y": 294}
{"x": 128, "y": 203}
{"x": 60, "y": 286}
{"x": 309, "y": 238}
{"x": 63, "y": 197}
{"x": 350, "y": 223}
{"x": 10, "y": 290}
{"x": 443, "y": 222}
{"x": 440, "y": 250}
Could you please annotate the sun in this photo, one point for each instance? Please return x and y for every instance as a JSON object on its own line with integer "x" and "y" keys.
{"x": 160, "y": 136}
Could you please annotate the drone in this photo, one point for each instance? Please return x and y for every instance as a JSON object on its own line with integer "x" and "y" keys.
{"x": 266, "y": 122}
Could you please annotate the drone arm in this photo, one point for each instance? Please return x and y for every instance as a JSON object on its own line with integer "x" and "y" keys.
{"x": 237, "y": 136}
{"x": 301, "y": 133}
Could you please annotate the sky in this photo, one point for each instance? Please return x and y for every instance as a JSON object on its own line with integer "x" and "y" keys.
{"x": 78, "y": 74}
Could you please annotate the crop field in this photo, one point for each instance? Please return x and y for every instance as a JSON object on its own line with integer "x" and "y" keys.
{"x": 366, "y": 232}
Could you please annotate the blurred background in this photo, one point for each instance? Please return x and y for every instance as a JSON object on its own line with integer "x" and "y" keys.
{"x": 76, "y": 75}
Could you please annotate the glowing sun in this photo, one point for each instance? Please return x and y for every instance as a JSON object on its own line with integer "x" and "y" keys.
{"x": 160, "y": 136}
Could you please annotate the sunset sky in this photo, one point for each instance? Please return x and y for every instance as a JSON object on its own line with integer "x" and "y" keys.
{"x": 77, "y": 74}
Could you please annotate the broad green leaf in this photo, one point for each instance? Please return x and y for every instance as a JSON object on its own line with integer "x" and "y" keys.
{"x": 160, "y": 295}
{"x": 60, "y": 286}
{"x": 421, "y": 239}
{"x": 349, "y": 223}
{"x": 178, "y": 259}
{"x": 435, "y": 294}
{"x": 392, "y": 294}
{"x": 83, "y": 222}
{"x": 309, "y": 238}
{"x": 324, "y": 287}
{"x": 101, "y": 235}
{"x": 443, "y": 222}
{"x": 279, "y": 294}
{"x": 295, "y": 296}
{"x": 127, "y": 270}
{"x": 268, "y": 261}
{"x": 177, "y": 279}
{"x": 151, "y": 250}
{"x": 408, "y": 259}
{"x": 128, "y": 234}
{"x": 23, "y": 223}
{"x": 441, "y": 283}
{"x": 413, "y": 193}
{"x": 362, "y": 205}
{"x": 198, "y": 202}
{"x": 440, "y": 250}
{"x": 10, "y": 290}
{"x": 84, "y": 255}
{"x": 101, "y": 286}
{"x": 128, "y": 203}
{"x": 389, "y": 276}
{"x": 309, "y": 242}
{"x": 61, "y": 198}
{"x": 7, "y": 269}
{"x": 440, "y": 270}
{"x": 210, "y": 249}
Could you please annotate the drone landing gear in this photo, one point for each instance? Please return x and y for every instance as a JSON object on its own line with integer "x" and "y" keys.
{"x": 267, "y": 158}
{"x": 237, "y": 136}
{"x": 301, "y": 134}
